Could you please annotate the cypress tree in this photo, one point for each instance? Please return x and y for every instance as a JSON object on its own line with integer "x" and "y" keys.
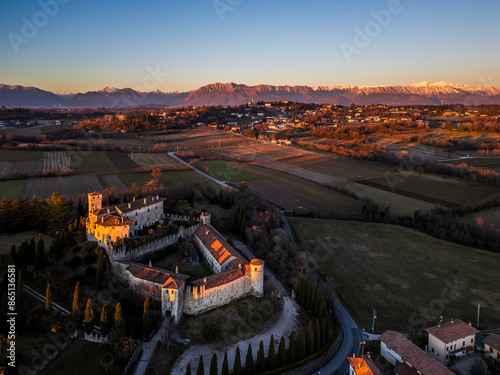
{"x": 249, "y": 361}
{"x": 225, "y": 365}
{"x": 31, "y": 252}
{"x": 147, "y": 324}
{"x": 302, "y": 345}
{"x": 88, "y": 322}
{"x": 261, "y": 358}
{"x": 213, "y": 365}
{"x": 322, "y": 307}
{"x": 237, "y": 362}
{"x": 188, "y": 369}
{"x": 323, "y": 332}
{"x": 271, "y": 354}
{"x": 310, "y": 295}
{"x": 310, "y": 339}
{"x": 317, "y": 336}
{"x": 119, "y": 320}
{"x": 201, "y": 367}
{"x": 40, "y": 252}
{"x": 76, "y": 302}
{"x": 20, "y": 286}
{"x": 104, "y": 321}
{"x": 48, "y": 299}
{"x": 13, "y": 252}
{"x": 291, "y": 348}
{"x": 282, "y": 353}
{"x": 317, "y": 302}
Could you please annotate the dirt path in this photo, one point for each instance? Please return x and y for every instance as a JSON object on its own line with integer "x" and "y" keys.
{"x": 283, "y": 327}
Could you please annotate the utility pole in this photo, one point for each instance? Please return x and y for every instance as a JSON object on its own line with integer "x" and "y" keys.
{"x": 373, "y": 321}
{"x": 478, "y": 308}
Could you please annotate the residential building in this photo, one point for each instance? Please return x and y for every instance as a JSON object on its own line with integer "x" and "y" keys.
{"x": 362, "y": 366}
{"x": 492, "y": 349}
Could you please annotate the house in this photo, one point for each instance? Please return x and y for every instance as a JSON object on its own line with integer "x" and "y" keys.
{"x": 492, "y": 349}
{"x": 362, "y": 366}
{"x": 451, "y": 340}
{"x": 408, "y": 358}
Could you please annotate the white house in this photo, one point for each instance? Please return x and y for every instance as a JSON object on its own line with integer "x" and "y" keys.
{"x": 363, "y": 366}
{"x": 451, "y": 340}
{"x": 408, "y": 358}
{"x": 492, "y": 349}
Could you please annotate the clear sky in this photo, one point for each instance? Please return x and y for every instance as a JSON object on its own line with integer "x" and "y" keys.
{"x": 78, "y": 46}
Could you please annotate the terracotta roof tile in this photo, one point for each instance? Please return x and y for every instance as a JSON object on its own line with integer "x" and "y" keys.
{"x": 219, "y": 279}
{"x": 364, "y": 366}
{"x": 113, "y": 221}
{"x": 405, "y": 369}
{"x": 138, "y": 204}
{"x": 449, "y": 331}
{"x": 412, "y": 354}
{"x": 221, "y": 250}
{"x": 154, "y": 274}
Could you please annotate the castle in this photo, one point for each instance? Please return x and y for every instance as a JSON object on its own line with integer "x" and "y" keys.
{"x": 234, "y": 277}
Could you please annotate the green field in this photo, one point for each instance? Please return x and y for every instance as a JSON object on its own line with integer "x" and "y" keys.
{"x": 20, "y": 155}
{"x": 409, "y": 278}
{"x": 223, "y": 171}
{"x": 92, "y": 163}
{"x": 171, "y": 177}
{"x": 13, "y": 189}
{"x": 81, "y": 357}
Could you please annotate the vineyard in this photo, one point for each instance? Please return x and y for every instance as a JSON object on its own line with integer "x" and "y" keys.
{"x": 52, "y": 164}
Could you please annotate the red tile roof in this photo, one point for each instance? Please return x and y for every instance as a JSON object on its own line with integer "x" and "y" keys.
{"x": 364, "y": 366}
{"x": 218, "y": 247}
{"x": 113, "y": 221}
{"x": 138, "y": 204}
{"x": 95, "y": 194}
{"x": 257, "y": 262}
{"x": 405, "y": 369}
{"x": 449, "y": 331}
{"x": 155, "y": 275}
{"x": 219, "y": 279}
{"x": 412, "y": 354}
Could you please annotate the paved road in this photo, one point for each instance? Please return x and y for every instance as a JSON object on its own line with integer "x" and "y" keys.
{"x": 287, "y": 227}
{"x": 351, "y": 344}
{"x": 41, "y": 298}
{"x": 148, "y": 348}
{"x": 172, "y": 154}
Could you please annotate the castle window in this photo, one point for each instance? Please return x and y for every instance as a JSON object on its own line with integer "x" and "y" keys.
{"x": 255, "y": 269}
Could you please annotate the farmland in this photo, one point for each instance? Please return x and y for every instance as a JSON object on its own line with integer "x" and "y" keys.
{"x": 223, "y": 171}
{"x": 7, "y": 155}
{"x": 53, "y": 163}
{"x": 88, "y": 163}
{"x": 409, "y": 278}
{"x": 149, "y": 161}
{"x": 122, "y": 161}
{"x": 13, "y": 189}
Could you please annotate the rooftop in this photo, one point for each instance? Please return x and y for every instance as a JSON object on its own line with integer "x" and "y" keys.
{"x": 220, "y": 278}
{"x": 218, "y": 247}
{"x": 452, "y": 331}
{"x": 113, "y": 221}
{"x": 364, "y": 366}
{"x": 155, "y": 275}
{"x": 412, "y": 354}
{"x": 492, "y": 340}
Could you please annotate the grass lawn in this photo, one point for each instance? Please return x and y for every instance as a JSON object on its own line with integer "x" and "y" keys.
{"x": 223, "y": 171}
{"x": 171, "y": 177}
{"x": 409, "y": 278}
{"x": 175, "y": 258}
{"x": 233, "y": 322}
{"x": 81, "y": 358}
{"x": 7, "y": 239}
{"x": 13, "y": 189}
{"x": 92, "y": 163}
{"x": 9, "y": 155}
{"x": 26, "y": 344}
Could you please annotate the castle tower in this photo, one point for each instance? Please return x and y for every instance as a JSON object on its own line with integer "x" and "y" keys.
{"x": 257, "y": 277}
{"x": 206, "y": 218}
{"x": 95, "y": 201}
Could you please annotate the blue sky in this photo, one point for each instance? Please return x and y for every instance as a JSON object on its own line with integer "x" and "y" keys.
{"x": 86, "y": 45}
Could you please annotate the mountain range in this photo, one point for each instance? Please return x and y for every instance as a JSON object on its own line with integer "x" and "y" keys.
{"x": 423, "y": 93}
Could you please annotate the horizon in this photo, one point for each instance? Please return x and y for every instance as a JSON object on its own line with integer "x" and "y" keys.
{"x": 63, "y": 46}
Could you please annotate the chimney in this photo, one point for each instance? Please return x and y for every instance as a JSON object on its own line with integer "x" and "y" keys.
{"x": 176, "y": 269}
{"x": 144, "y": 200}
{"x": 452, "y": 321}
{"x": 204, "y": 280}
{"x": 157, "y": 197}
{"x": 108, "y": 210}
{"x": 239, "y": 265}
{"x": 150, "y": 264}
{"x": 470, "y": 324}
{"x": 122, "y": 219}
{"x": 129, "y": 205}
{"x": 133, "y": 199}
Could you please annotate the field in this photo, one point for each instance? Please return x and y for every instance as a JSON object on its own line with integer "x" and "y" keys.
{"x": 122, "y": 161}
{"x": 433, "y": 190}
{"x": 20, "y": 155}
{"x": 200, "y": 139}
{"x": 147, "y": 160}
{"x": 489, "y": 163}
{"x": 223, "y": 171}
{"x": 489, "y": 217}
{"x": 295, "y": 193}
{"x": 13, "y": 189}
{"x": 409, "y": 278}
{"x": 171, "y": 177}
{"x": 52, "y": 162}
{"x": 70, "y": 187}
{"x": 96, "y": 162}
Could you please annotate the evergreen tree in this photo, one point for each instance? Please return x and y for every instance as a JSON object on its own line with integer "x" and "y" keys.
{"x": 282, "y": 353}
{"x": 302, "y": 345}
{"x": 310, "y": 294}
{"x": 317, "y": 336}
{"x": 310, "y": 339}
{"x": 104, "y": 321}
{"x": 323, "y": 332}
{"x": 80, "y": 209}
{"x": 48, "y": 299}
{"x": 31, "y": 258}
{"x": 188, "y": 369}
{"x": 291, "y": 348}
{"x": 88, "y": 322}
{"x": 13, "y": 252}
{"x": 76, "y": 302}
{"x": 237, "y": 362}
{"x": 119, "y": 320}
{"x": 249, "y": 361}
{"x": 271, "y": 354}
{"x": 213, "y": 365}
{"x": 101, "y": 269}
{"x": 40, "y": 252}
{"x": 317, "y": 302}
{"x": 201, "y": 367}
{"x": 261, "y": 358}
{"x": 480, "y": 368}
{"x": 322, "y": 307}
{"x": 20, "y": 286}
{"x": 147, "y": 323}
{"x": 225, "y": 365}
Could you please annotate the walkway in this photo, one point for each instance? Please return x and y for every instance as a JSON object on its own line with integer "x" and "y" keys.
{"x": 148, "y": 348}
